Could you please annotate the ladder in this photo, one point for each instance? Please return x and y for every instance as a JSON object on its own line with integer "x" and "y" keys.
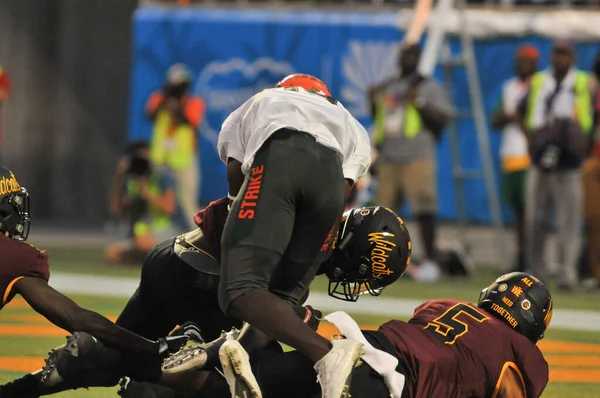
{"x": 436, "y": 45}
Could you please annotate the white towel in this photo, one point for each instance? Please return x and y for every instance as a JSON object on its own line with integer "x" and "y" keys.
{"x": 382, "y": 362}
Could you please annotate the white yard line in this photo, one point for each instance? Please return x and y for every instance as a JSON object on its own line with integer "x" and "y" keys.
{"x": 124, "y": 287}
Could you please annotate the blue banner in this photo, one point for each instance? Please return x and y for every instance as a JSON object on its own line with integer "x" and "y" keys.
{"x": 236, "y": 53}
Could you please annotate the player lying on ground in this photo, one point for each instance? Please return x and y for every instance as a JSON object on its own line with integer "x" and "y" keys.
{"x": 25, "y": 271}
{"x": 179, "y": 283}
{"x": 449, "y": 349}
{"x": 292, "y": 154}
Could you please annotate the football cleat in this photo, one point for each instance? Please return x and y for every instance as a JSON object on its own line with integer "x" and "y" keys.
{"x": 237, "y": 371}
{"x": 83, "y": 352}
{"x": 196, "y": 355}
{"x": 334, "y": 370}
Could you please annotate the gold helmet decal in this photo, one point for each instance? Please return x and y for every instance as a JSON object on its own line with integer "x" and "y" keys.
{"x": 9, "y": 185}
{"x": 382, "y": 243}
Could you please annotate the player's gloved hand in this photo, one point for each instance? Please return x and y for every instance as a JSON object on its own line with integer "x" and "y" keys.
{"x": 189, "y": 329}
{"x": 310, "y": 316}
{"x": 178, "y": 338}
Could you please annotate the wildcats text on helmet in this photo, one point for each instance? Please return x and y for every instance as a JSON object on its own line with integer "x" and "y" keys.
{"x": 9, "y": 185}
{"x": 380, "y": 253}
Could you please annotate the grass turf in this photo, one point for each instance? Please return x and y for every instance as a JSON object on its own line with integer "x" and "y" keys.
{"x": 88, "y": 260}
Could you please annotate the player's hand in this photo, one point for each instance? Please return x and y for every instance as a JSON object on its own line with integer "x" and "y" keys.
{"x": 189, "y": 329}
{"x": 171, "y": 344}
{"x": 178, "y": 338}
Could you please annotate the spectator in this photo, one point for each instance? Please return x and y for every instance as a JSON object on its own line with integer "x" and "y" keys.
{"x": 144, "y": 196}
{"x": 177, "y": 117}
{"x": 410, "y": 114}
{"x": 556, "y": 114}
{"x": 513, "y": 150}
{"x": 4, "y": 93}
{"x": 125, "y": 206}
{"x": 591, "y": 190}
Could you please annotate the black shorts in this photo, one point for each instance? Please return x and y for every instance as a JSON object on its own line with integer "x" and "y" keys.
{"x": 283, "y": 220}
{"x": 170, "y": 293}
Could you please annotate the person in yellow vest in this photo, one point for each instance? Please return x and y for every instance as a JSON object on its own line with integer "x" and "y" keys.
{"x": 557, "y": 116}
{"x": 513, "y": 149}
{"x": 410, "y": 113}
{"x": 177, "y": 117}
{"x": 147, "y": 194}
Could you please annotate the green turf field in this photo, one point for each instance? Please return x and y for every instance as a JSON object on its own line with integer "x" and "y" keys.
{"x": 26, "y": 338}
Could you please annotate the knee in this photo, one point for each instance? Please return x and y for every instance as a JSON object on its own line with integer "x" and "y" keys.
{"x": 233, "y": 300}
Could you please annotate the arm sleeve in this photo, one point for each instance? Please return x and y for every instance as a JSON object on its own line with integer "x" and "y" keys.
{"x": 357, "y": 163}
{"x": 231, "y": 143}
{"x": 194, "y": 111}
{"x": 153, "y": 101}
{"x": 24, "y": 261}
{"x": 535, "y": 372}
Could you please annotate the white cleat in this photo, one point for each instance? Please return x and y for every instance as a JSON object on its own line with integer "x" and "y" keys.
{"x": 237, "y": 371}
{"x": 334, "y": 370}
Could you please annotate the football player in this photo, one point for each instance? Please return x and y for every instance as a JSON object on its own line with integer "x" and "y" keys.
{"x": 449, "y": 348}
{"x": 179, "y": 283}
{"x": 25, "y": 271}
{"x": 292, "y": 154}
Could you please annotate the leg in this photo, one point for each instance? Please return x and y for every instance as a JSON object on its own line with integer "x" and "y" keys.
{"x": 387, "y": 188}
{"x": 146, "y": 313}
{"x": 513, "y": 190}
{"x": 419, "y": 183}
{"x": 567, "y": 192}
{"x": 291, "y": 202}
{"x": 537, "y": 206}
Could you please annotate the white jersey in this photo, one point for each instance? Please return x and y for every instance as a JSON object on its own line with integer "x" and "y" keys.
{"x": 249, "y": 126}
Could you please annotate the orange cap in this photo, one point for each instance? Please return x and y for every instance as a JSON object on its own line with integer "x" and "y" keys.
{"x": 528, "y": 51}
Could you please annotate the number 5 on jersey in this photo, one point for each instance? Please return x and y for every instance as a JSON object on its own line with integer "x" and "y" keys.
{"x": 451, "y": 324}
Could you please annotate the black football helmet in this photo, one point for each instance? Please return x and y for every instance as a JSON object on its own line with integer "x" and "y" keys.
{"x": 14, "y": 206}
{"x": 520, "y": 300}
{"x": 371, "y": 251}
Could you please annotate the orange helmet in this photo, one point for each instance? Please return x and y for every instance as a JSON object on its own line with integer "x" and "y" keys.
{"x": 307, "y": 82}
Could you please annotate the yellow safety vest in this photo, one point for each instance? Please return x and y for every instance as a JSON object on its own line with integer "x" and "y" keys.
{"x": 156, "y": 220}
{"x": 412, "y": 122}
{"x": 583, "y": 100}
{"x": 178, "y": 153}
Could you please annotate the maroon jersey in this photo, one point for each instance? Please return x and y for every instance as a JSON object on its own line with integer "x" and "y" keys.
{"x": 19, "y": 260}
{"x": 211, "y": 221}
{"x": 453, "y": 349}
